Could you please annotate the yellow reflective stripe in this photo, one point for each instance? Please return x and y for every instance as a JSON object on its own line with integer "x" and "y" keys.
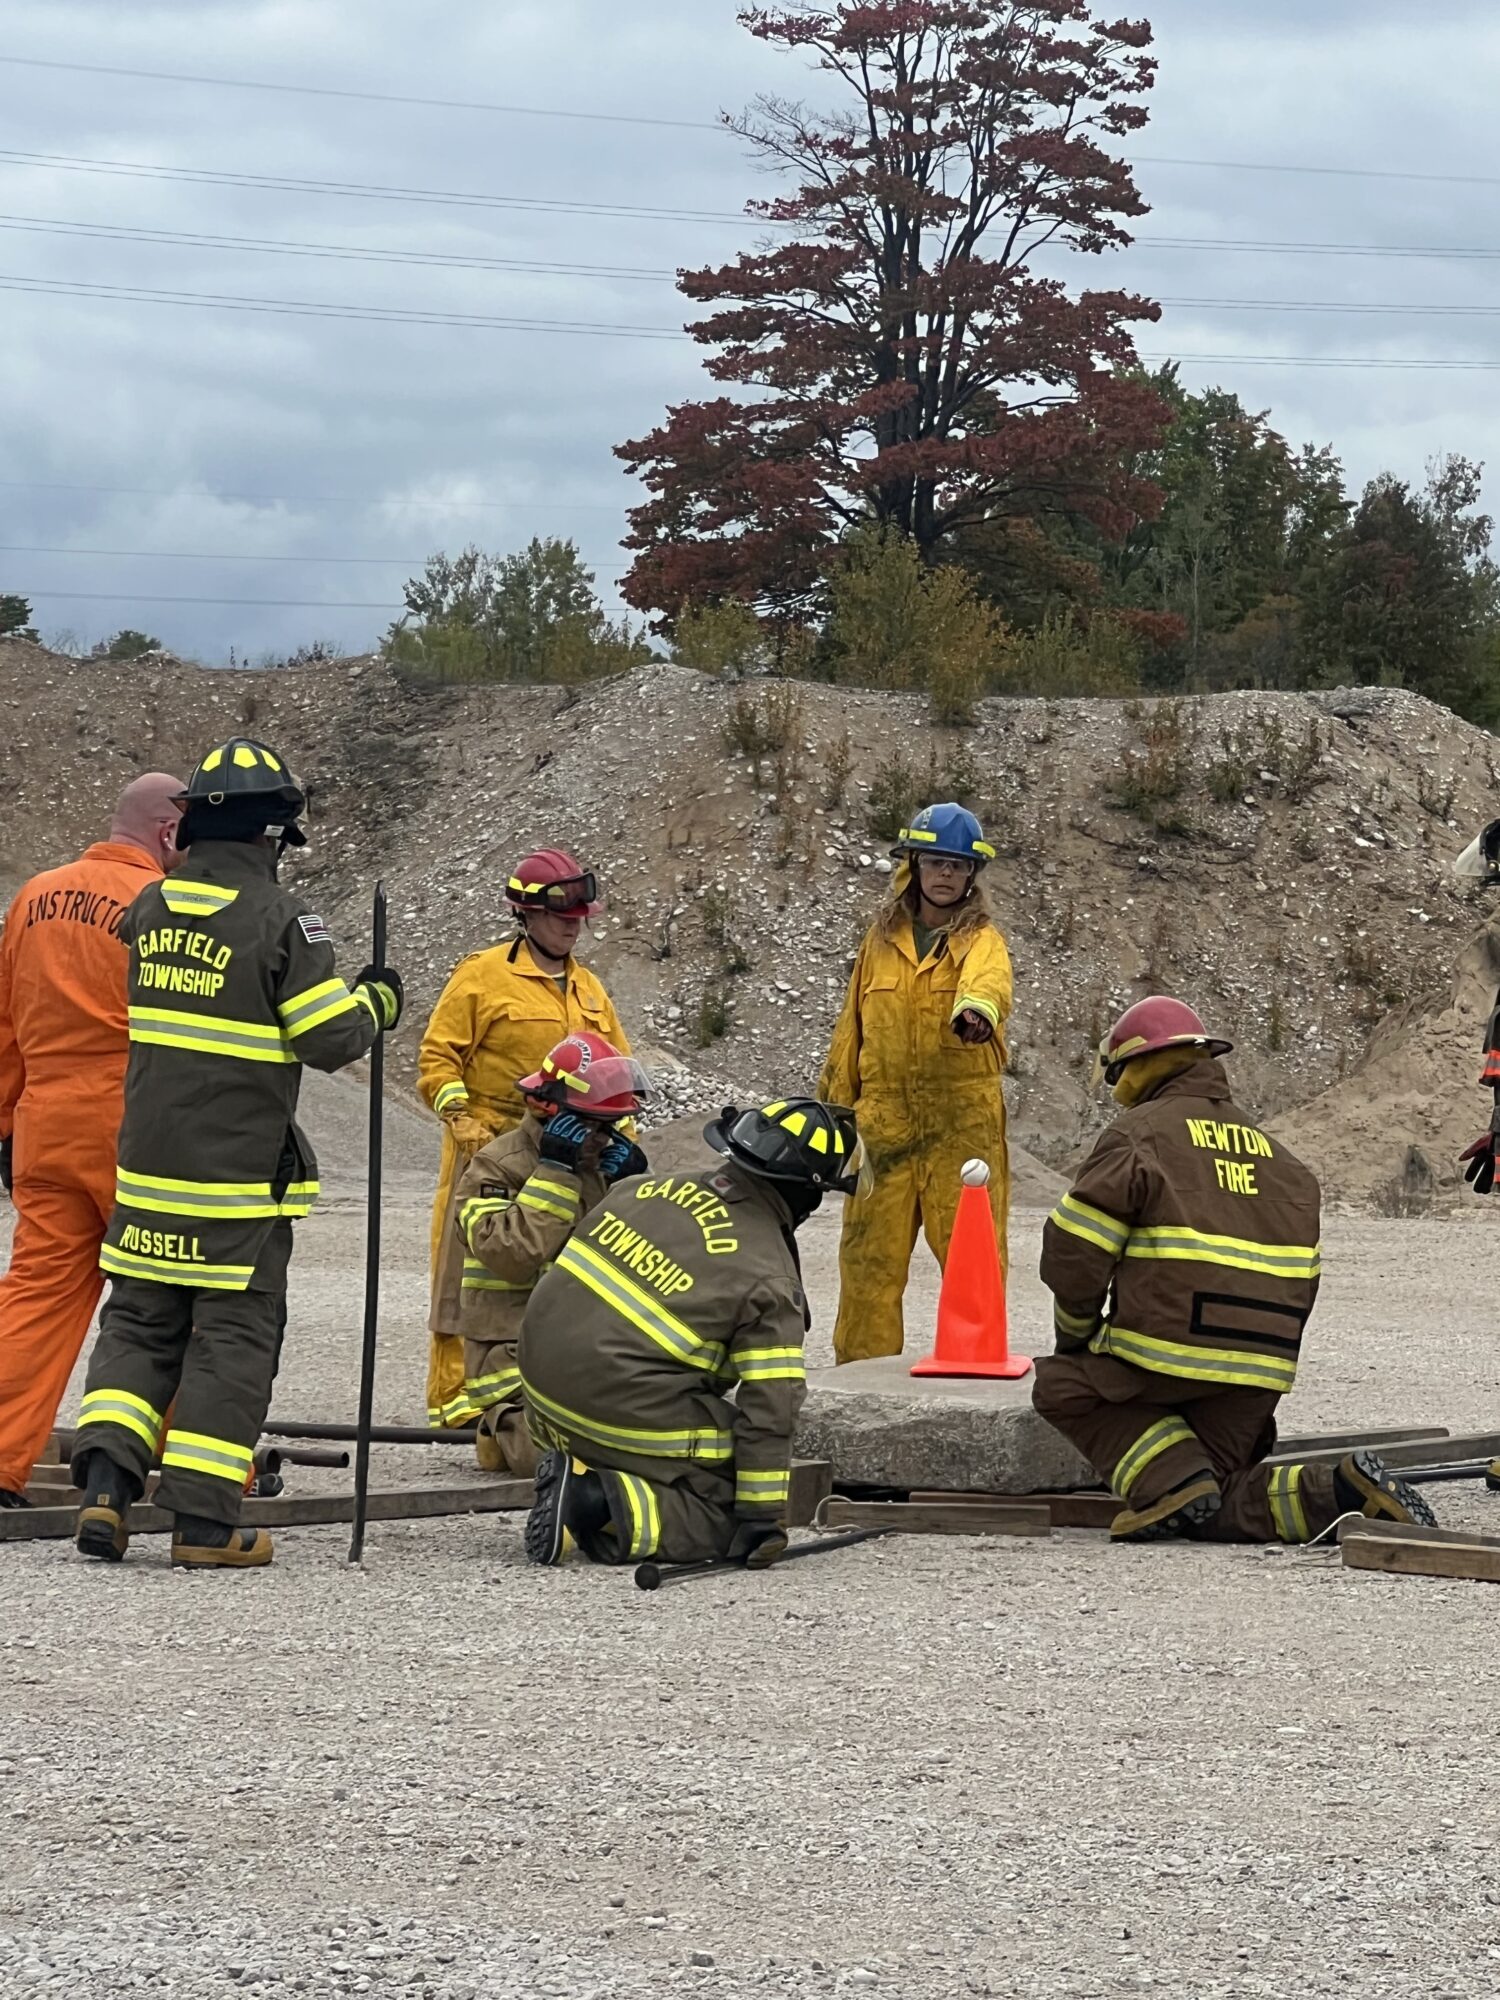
{"x": 769, "y": 1364}
{"x": 1238, "y": 1253}
{"x": 1092, "y": 1224}
{"x": 204, "y": 1034}
{"x": 654, "y": 1444}
{"x": 645, "y": 1516}
{"x": 317, "y": 1005}
{"x": 363, "y": 997}
{"x": 165, "y": 1271}
{"x": 196, "y": 899}
{"x": 477, "y": 1278}
{"x": 221, "y": 1200}
{"x": 475, "y": 1210}
{"x": 583, "y": 1262}
{"x": 458, "y": 1410}
{"x": 1148, "y": 1447}
{"x": 118, "y": 1406}
{"x": 967, "y": 1001}
{"x": 528, "y": 1200}
{"x": 218, "y": 1458}
{"x": 488, "y": 1390}
{"x": 767, "y": 1488}
{"x": 1284, "y": 1491}
{"x": 559, "y": 1188}
{"x": 1077, "y": 1324}
{"x": 1237, "y": 1367}
{"x": 450, "y": 1093}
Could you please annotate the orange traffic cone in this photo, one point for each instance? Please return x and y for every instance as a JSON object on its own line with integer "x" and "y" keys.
{"x": 971, "y": 1326}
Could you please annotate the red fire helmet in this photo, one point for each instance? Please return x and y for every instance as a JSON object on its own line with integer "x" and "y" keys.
{"x": 1157, "y": 1023}
{"x": 551, "y": 879}
{"x": 587, "y": 1074}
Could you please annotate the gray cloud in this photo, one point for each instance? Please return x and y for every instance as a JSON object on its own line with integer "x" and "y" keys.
{"x": 391, "y": 440}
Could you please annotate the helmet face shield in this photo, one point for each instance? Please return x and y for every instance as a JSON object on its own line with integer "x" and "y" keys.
{"x": 798, "y": 1140}
{"x": 588, "y": 1075}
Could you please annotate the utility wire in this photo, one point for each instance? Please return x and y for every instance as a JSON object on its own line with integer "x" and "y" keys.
{"x": 107, "y": 232}
{"x": 365, "y": 96}
{"x": 303, "y": 499}
{"x": 366, "y": 190}
{"x": 688, "y": 124}
{"x": 317, "y": 309}
{"x": 262, "y": 603}
{"x": 224, "y": 555}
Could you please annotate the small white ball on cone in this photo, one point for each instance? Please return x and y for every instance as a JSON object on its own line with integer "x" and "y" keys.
{"x": 976, "y": 1173}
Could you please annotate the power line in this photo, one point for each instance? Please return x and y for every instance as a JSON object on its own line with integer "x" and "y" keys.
{"x": 351, "y": 252}
{"x": 365, "y": 190}
{"x": 1456, "y": 252}
{"x": 690, "y": 124}
{"x": 261, "y": 603}
{"x": 302, "y": 499}
{"x": 1359, "y": 361}
{"x": 223, "y": 555}
{"x": 1336, "y": 306}
{"x": 317, "y": 309}
{"x": 365, "y": 96}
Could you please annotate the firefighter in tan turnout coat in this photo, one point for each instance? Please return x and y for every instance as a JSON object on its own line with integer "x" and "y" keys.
{"x": 1184, "y": 1263}
{"x": 232, "y": 988}
{"x": 519, "y": 1200}
{"x": 673, "y": 1295}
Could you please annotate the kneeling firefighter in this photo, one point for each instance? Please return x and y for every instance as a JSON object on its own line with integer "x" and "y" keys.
{"x": 518, "y": 1202}
{"x": 1183, "y": 1264}
{"x": 232, "y": 988}
{"x": 671, "y": 1296}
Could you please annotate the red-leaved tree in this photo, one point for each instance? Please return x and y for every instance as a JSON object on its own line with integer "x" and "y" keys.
{"x": 900, "y": 358}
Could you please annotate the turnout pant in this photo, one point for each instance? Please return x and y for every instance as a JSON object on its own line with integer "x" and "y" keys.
{"x": 492, "y": 1382}
{"x": 47, "y": 1297}
{"x": 1148, "y": 1434}
{"x": 215, "y": 1353}
{"x": 679, "y": 1510}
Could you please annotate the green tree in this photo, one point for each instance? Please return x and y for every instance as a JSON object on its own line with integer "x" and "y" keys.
{"x": 127, "y": 644}
{"x": 726, "y": 639}
{"x": 15, "y": 617}
{"x": 527, "y": 617}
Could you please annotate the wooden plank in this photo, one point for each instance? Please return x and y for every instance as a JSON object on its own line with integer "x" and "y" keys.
{"x": 1351, "y": 1440}
{"x": 420, "y": 1503}
{"x": 1065, "y": 1510}
{"x": 1476, "y": 1559}
{"x": 1413, "y": 1451}
{"x": 1412, "y": 1531}
{"x": 812, "y": 1482}
{"x": 906, "y": 1517}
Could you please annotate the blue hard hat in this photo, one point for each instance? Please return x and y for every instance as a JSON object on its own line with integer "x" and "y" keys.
{"x": 946, "y": 829}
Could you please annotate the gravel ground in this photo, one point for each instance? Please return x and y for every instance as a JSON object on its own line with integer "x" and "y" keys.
{"x": 925, "y": 1769}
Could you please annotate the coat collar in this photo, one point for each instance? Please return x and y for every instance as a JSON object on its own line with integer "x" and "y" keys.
{"x": 1205, "y": 1079}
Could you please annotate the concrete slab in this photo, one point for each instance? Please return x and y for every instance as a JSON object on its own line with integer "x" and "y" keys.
{"x": 880, "y": 1426}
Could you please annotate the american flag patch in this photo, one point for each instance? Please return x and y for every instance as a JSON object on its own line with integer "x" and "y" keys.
{"x": 314, "y": 929}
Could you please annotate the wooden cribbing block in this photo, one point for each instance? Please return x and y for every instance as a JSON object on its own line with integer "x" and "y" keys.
{"x": 1293, "y": 1447}
{"x": 1064, "y": 1510}
{"x": 935, "y": 1517}
{"x": 1395, "y": 1549}
{"x": 1409, "y": 1451}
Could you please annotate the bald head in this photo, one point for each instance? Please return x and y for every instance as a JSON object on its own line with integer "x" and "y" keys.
{"x": 147, "y": 816}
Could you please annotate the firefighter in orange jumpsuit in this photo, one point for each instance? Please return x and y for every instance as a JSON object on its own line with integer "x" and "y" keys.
{"x": 63, "y": 1048}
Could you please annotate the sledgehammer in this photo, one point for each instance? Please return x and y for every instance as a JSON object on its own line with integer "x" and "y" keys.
{"x": 657, "y": 1576}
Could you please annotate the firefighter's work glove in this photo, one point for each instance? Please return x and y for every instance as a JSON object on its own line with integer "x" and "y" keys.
{"x": 1479, "y": 1164}
{"x": 386, "y": 992}
{"x": 621, "y": 1159}
{"x": 564, "y": 1137}
{"x": 7, "y": 1164}
{"x": 469, "y": 1133}
{"x": 972, "y": 1028}
{"x": 756, "y": 1544}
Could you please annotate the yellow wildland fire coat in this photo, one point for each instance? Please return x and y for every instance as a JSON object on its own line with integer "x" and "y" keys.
{"x": 925, "y": 1102}
{"x": 496, "y": 1018}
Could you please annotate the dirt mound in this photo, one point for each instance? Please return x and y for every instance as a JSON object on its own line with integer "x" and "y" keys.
{"x": 1278, "y": 859}
{"x": 1390, "y": 1134}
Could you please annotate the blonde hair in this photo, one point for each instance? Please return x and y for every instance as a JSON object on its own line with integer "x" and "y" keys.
{"x": 905, "y": 901}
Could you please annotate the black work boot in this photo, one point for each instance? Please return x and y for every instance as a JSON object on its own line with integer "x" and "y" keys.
{"x": 1363, "y": 1483}
{"x": 1186, "y": 1510}
{"x": 8, "y": 1498}
{"x": 109, "y": 1492}
{"x": 202, "y": 1544}
{"x": 569, "y": 1508}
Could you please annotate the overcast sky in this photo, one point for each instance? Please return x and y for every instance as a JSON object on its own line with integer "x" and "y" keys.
{"x": 222, "y": 433}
